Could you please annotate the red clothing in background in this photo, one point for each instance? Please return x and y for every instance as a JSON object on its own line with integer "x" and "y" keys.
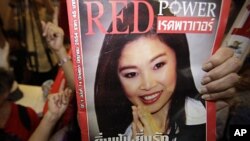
{"x": 16, "y": 128}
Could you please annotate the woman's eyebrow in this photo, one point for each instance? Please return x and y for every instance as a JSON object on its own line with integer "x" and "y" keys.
{"x": 126, "y": 67}
{"x": 134, "y": 67}
{"x": 157, "y": 56}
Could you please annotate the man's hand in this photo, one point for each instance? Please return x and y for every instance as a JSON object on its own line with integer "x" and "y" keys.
{"x": 219, "y": 82}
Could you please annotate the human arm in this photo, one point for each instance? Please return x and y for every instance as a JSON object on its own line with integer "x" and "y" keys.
{"x": 57, "y": 104}
{"x": 54, "y": 36}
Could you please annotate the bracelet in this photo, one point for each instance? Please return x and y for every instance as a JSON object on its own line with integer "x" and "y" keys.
{"x": 64, "y": 60}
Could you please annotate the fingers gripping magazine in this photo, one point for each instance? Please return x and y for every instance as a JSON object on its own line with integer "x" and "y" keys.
{"x": 137, "y": 67}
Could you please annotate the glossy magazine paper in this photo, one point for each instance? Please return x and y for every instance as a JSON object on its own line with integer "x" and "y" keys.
{"x": 137, "y": 67}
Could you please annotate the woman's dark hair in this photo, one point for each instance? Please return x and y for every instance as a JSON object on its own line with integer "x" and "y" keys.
{"x": 6, "y": 80}
{"x": 113, "y": 109}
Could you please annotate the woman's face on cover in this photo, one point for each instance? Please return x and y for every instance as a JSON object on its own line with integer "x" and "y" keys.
{"x": 147, "y": 71}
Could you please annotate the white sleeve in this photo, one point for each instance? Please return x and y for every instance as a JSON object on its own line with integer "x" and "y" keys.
{"x": 195, "y": 112}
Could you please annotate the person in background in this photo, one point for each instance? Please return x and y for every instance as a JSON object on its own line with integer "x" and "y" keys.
{"x": 41, "y": 61}
{"x": 59, "y": 104}
{"x": 15, "y": 92}
{"x": 17, "y": 122}
{"x": 50, "y": 128}
{"x": 55, "y": 36}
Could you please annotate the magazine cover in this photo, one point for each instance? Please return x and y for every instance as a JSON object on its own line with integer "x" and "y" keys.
{"x": 137, "y": 67}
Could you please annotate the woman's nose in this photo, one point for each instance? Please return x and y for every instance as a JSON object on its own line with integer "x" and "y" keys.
{"x": 147, "y": 81}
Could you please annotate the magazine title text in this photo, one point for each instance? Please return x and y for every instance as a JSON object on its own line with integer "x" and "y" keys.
{"x": 188, "y": 16}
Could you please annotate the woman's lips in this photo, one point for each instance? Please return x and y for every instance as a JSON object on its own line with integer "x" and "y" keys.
{"x": 151, "y": 98}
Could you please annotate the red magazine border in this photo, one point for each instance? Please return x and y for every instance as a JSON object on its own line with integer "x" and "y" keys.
{"x": 75, "y": 35}
{"x": 211, "y": 108}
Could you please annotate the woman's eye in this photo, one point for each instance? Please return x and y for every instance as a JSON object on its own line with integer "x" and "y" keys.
{"x": 130, "y": 75}
{"x": 159, "y": 65}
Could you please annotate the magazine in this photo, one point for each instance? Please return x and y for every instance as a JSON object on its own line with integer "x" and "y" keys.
{"x": 137, "y": 67}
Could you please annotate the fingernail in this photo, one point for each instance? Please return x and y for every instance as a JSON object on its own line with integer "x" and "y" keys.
{"x": 207, "y": 66}
{"x": 205, "y": 80}
{"x": 203, "y": 90}
{"x": 205, "y": 96}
